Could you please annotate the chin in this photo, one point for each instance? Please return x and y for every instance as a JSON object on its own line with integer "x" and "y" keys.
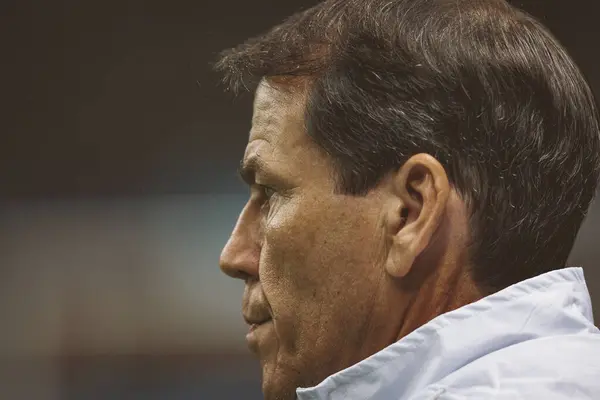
{"x": 278, "y": 390}
{"x": 279, "y": 382}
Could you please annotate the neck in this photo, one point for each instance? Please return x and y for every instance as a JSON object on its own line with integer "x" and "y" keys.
{"x": 439, "y": 280}
{"x": 447, "y": 289}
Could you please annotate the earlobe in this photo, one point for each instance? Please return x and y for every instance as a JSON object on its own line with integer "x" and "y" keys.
{"x": 401, "y": 256}
{"x": 422, "y": 188}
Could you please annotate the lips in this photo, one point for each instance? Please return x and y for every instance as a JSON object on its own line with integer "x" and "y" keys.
{"x": 256, "y": 313}
{"x": 256, "y": 322}
{"x": 255, "y": 308}
{"x": 258, "y": 332}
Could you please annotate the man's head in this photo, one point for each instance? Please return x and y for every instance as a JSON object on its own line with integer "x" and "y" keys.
{"x": 405, "y": 158}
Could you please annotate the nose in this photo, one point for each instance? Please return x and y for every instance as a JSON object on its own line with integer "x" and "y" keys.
{"x": 240, "y": 256}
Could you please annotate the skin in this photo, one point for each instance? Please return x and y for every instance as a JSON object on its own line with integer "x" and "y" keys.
{"x": 336, "y": 277}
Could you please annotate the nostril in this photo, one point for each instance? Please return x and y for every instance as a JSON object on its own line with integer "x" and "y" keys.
{"x": 238, "y": 274}
{"x": 236, "y": 266}
{"x": 240, "y": 256}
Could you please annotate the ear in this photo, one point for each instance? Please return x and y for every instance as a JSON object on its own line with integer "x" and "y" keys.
{"x": 420, "y": 190}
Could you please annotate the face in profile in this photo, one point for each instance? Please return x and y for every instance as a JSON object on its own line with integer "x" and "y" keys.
{"x": 316, "y": 295}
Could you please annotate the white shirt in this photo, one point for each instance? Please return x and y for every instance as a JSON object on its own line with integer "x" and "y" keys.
{"x": 535, "y": 340}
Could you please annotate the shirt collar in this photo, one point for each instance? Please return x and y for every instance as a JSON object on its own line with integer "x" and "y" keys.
{"x": 554, "y": 303}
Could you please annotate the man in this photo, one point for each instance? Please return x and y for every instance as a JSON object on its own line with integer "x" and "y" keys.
{"x": 418, "y": 172}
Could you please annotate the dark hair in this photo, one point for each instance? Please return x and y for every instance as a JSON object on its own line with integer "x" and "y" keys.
{"x": 478, "y": 84}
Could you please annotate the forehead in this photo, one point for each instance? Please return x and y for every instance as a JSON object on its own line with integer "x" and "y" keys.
{"x": 278, "y": 115}
{"x": 278, "y": 136}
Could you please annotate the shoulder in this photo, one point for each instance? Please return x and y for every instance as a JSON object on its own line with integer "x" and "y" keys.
{"x": 551, "y": 368}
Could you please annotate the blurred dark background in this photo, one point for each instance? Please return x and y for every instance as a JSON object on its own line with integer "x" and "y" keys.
{"x": 118, "y": 156}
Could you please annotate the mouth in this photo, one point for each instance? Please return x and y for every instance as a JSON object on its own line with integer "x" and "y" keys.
{"x": 254, "y": 324}
{"x": 258, "y": 332}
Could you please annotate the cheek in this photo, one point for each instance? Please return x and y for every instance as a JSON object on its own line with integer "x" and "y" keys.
{"x": 300, "y": 243}
{"x": 286, "y": 272}
{"x": 317, "y": 268}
